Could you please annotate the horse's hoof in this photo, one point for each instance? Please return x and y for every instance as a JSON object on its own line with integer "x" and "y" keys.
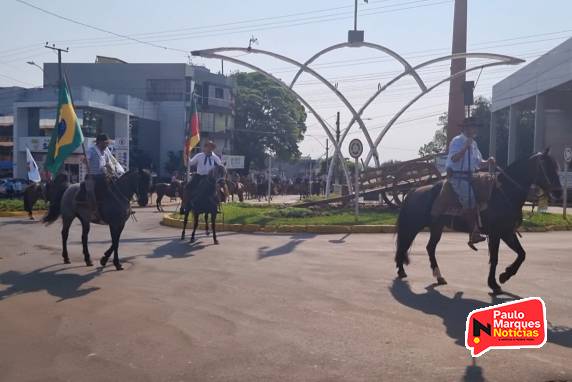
{"x": 103, "y": 261}
{"x": 504, "y": 277}
{"x": 192, "y": 240}
{"x": 441, "y": 281}
{"x": 67, "y": 261}
{"x": 496, "y": 291}
{"x": 216, "y": 242}
{"x": 118, "y": 266}
{"x": 401, "y": 274}
{"x": 183, "y": 237}
{"x": 88, "y": 263}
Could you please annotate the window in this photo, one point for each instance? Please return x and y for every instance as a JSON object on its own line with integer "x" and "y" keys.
{"x": 165, "y": 90}
{"x": 219, "y": 93}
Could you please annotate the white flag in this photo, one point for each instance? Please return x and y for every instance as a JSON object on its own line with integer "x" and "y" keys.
{"x": 33, "y": 172}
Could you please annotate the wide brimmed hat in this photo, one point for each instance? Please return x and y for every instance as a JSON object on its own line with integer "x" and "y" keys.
{"x": 471, "y": 122}
{"x": 210, "y": 144}
{"x": 102, "y": 138}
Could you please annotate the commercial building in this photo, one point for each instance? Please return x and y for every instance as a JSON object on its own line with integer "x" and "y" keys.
{"x": 143, "y": 107}
{"x": 535, "y": 105}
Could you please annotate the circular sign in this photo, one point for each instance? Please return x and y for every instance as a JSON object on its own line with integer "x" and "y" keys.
{"x": 568, "y": 154}
{"x": 356, "y": 148}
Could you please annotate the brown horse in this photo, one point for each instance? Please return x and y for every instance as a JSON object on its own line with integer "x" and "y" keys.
{"x": 172, "y": 190}
{"x": 32, "y": 193}
{"x": 204, "y": 200}
{"x": 499, "y": 220}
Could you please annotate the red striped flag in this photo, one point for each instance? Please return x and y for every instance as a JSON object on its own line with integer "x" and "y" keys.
{"x": 193, "y": 135}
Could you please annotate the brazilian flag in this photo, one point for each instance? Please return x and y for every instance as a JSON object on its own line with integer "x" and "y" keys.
{"x": 67, "y": 135}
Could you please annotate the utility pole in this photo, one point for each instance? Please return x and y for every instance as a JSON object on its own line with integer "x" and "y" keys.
{"x": 59, "y": 50}
{"x": 456, "y": 112}
{"x": 337, "y": 138}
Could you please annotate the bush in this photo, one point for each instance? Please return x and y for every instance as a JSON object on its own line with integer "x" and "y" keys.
{"x": 290, "y": 212}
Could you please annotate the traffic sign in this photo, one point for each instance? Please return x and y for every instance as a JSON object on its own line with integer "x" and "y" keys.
{"x": 356, "y": 148}
{"x": 568, "y": 154}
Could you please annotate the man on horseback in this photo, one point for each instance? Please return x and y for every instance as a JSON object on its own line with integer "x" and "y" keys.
{"x": 463, "y": 159}
{"x": 204, "y": 162}
{"x": 101, "y": 166}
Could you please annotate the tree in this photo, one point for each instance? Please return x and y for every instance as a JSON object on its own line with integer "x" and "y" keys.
{"x": 175, "y": 162}
{"x": 481, "y": 110}
{"x": 269, "y": 120}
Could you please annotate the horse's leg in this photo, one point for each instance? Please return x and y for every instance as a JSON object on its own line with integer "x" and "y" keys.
{"x": 195, "y": 224}
{"x": 65, "y": 233}
{"x": 494, "y": 243}
{"x": 109, "y": 251}
{"x": 185, "y": 220}
{"x": 512, "y": 241}
{"x": 207, "y": 224}
{"x": 436, "y": 232}
{"x": 115, "y": 242}
{"x": 159, "y": 206}
{"x": 213, "y": 222}
{"x": 84, "y": 236}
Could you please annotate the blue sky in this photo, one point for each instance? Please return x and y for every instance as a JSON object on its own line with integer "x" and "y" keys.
{"x": 417, "y": 29}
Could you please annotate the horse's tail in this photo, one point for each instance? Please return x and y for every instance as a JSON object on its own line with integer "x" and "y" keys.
{"x": 406, "y": 233}
{"x": 57, "y": 192}
{"x": 28, "y": 205}
{"x": 414, "y": 215}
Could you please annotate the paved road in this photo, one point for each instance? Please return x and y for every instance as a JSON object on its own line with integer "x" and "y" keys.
{"x": 263, "y": 307}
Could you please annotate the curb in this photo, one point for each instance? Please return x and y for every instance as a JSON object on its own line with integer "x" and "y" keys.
{"x": 322, "y": 229}
{"x": 14, "y": 214}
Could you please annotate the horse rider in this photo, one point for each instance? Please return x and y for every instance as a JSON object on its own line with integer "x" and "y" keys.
{"x": 101, "y": 166}
{"x": 463, "y": 159}
{"x": 205, "y": 161}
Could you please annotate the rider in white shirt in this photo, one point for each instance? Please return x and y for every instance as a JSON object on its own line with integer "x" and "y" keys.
{"x": 204, "y": 163}
{"x": 463, "y": 160}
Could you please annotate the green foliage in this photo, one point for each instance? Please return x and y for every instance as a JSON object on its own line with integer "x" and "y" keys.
{"x": 175, "y": 162}
{"x": 290, "y": 212}
{"x": 269, "y": 119}
{"x": 439, "y": 142}
{"x": 18, "y": 205}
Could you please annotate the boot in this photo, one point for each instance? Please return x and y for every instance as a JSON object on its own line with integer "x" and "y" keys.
{"x": 475, "y": 234}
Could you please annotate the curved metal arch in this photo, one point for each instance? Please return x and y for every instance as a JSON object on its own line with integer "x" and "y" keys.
{"x": 337, "y": 150}
{"x": 504, "y": 60}
{"x": 406, "y": 65}
{"x": 341, "y": 97}
{"x": 416, "y": 98}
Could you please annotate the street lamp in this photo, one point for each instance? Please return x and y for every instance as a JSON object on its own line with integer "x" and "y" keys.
{"x": 34, "y": 64}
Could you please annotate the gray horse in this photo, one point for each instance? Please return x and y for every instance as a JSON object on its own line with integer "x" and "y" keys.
{"x": 115, "y": 211}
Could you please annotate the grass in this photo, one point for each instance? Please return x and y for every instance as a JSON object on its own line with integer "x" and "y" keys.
{"x": 235, "y": 213}
{"x": 18, "y": 205}
{"x": 545, "y": 220}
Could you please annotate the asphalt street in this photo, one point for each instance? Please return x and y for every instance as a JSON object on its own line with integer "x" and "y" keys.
{"x": 262, "y": 307}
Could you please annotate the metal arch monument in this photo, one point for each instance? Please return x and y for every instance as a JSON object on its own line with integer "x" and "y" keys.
{"x": 353, "y": 42}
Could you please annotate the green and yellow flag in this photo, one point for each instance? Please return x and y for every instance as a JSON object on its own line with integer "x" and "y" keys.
{"x": 67, "y": 135}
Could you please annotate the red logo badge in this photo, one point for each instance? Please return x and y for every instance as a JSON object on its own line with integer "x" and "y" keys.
{"x": 512, "y": 325}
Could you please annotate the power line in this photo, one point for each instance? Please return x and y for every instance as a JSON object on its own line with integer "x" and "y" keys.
{"x": 98, "y": 28}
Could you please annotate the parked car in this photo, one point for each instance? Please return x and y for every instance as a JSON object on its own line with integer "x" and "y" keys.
{"x": 10, "y": 187}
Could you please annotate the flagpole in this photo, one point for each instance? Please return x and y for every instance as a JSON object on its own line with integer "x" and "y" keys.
{"x": 65, "y": 79}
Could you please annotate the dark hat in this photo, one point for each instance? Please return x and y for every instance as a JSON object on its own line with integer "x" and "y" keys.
{"x": 470, "y": 122}
{"x": 101, "y": 138}
{"x": 211, "y": 144}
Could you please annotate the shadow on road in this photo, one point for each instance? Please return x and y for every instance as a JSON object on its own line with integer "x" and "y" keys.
{"x": 341, "y": 240}
{"x": 62, "y": 285}
{"x": 176, "y": 249}
{"x": 284, "y": 249}
{"x": 473, "y": 373}
{"x": 454, "y": 311}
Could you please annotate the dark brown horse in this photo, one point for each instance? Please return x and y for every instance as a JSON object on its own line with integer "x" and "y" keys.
{"x": 204, "y": 200}
{"x": 32, "y": 193}
{"x": 499, "y": 220}
{"x": 115, "y": 210}
{"x": 172, "y": 190}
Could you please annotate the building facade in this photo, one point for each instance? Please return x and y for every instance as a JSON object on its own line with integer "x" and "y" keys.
{"x": 535, "y": 105}
{"x": 142, "y": 107}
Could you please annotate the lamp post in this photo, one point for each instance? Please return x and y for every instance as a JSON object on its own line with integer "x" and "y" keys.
{"x": 34, "y": 64}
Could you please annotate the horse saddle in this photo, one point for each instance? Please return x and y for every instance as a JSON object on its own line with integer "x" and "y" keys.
{"x": 447, "y": 202}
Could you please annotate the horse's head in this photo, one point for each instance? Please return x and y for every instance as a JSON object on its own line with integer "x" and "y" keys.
{"x": 545, "y": 170}
{"x": 217, "y": 172}
{"x": 143, "y": 186}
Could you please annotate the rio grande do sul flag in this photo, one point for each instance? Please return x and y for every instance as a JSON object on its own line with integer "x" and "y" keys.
{"x": 513, "y": 325}
{"x": 193, "y": 134}
{"x": 67, "y": 135}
